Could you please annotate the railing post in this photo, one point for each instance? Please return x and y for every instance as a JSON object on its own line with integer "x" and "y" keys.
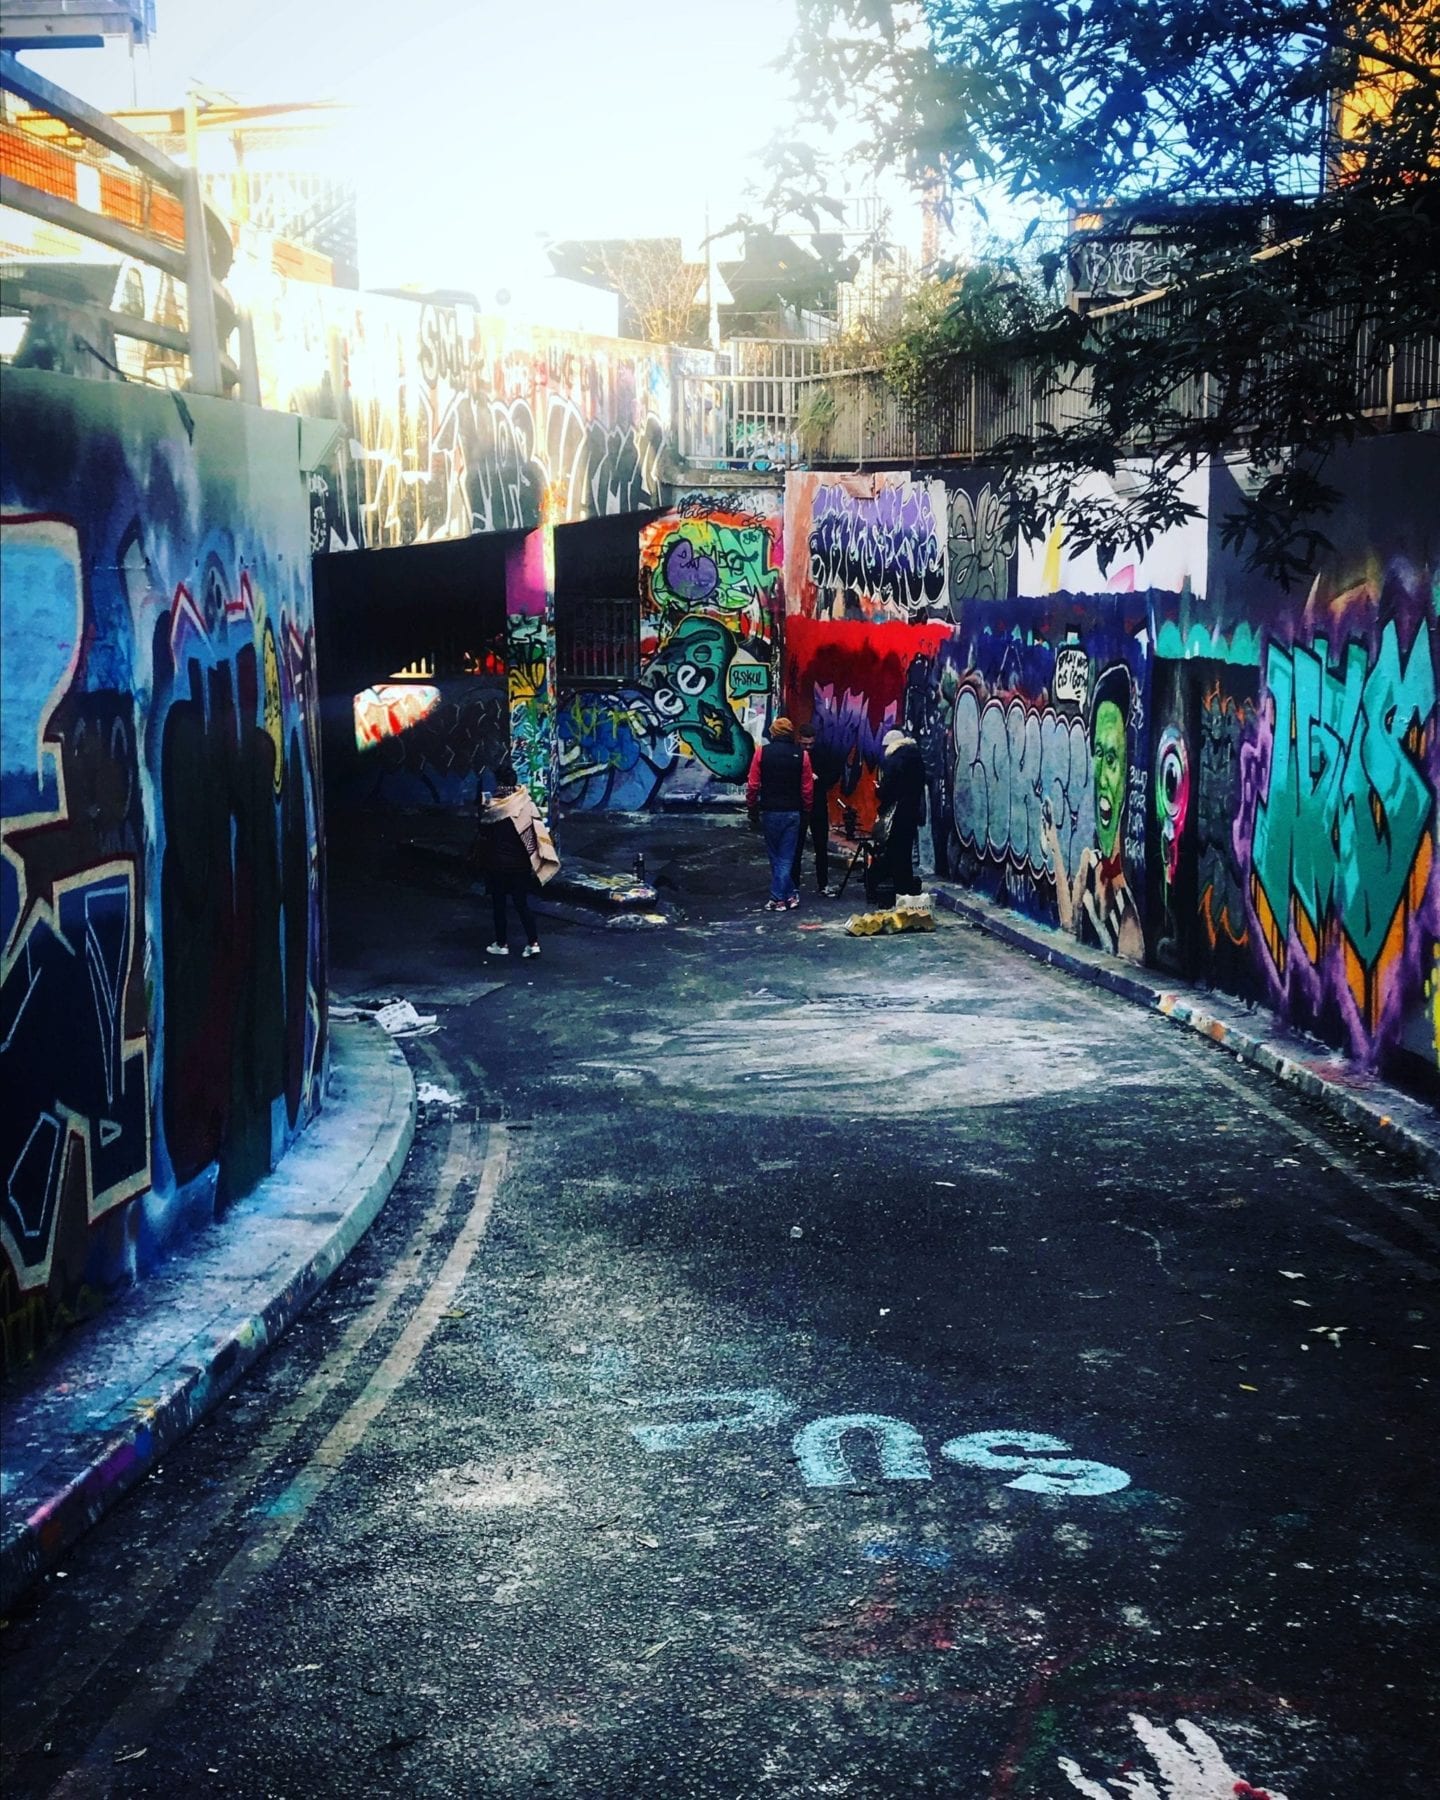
{"x": 248, "y": 360}
{"x": 1390, "y": 387}
{"x": 205, "y": 374}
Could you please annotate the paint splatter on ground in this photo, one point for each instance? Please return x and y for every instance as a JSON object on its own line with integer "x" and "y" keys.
{"x": 1188, "y": 1766}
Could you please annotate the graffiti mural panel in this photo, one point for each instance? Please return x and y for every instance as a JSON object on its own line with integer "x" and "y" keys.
{"x": 161, "y": 987}
{"x": 1225, "y": 720}
{"x": 867, "y": 548}
{"x": 855, "y": 682}
{"x": 711, "y": 609}
{"x": 1337, "y": 820}
{"x": 1048, "y": 736}
{"x": 76, "y": 1116}
{"x": 1170, "y": 851}
{"x": 426, "y": 743}
{"x": 983, "y": 541}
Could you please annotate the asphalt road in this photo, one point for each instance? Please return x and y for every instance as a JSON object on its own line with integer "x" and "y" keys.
{"x": 791, "y": 1366}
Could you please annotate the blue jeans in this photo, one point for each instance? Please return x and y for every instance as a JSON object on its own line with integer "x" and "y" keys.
{"x": 782, "y": 839}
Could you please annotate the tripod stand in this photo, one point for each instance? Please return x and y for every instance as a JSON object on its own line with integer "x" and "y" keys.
{"x": 865, "y": 853}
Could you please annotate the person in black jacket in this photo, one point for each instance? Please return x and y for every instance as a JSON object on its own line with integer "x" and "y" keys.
{"x": 827, "y": 767}
{"x": 901, "y": 795}
{"x": 501, "y": 855}
{"x": 779, "y": 793}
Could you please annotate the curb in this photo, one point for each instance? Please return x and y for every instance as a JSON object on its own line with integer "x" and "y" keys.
{"x": 1391, "y": 1119}
{"x": 156, "y": 1362}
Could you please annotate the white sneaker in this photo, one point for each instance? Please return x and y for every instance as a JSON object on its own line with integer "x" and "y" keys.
{"x": 497, "y": 949}
{"x": 530, "y": 950}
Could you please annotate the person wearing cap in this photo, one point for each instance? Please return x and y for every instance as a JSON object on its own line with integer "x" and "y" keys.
{"x": 901, "y": 794}
{"x": 779, "y": 792}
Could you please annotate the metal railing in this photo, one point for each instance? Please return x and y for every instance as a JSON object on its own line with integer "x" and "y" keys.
{"x": 115, "y": 204}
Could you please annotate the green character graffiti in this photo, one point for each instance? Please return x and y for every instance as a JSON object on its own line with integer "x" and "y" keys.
{"x": 1097, "y": 902}
{"x": 702, "y": 564}
{"x": 686, "y": 681}
{"x": 1111, "y": 769}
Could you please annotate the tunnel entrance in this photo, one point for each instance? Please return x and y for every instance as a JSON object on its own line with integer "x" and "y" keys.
{"x": 410, "y": 654}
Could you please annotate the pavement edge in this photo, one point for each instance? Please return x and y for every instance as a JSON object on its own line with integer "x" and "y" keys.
{"x": 366, "y": 1153}
{"x": 1379, "y": 1123}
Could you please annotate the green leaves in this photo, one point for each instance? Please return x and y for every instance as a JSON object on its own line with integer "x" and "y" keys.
{"x": 1290, "y": 149}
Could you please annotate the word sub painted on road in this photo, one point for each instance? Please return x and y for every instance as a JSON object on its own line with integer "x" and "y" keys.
{"x": 1037, "y": 1461}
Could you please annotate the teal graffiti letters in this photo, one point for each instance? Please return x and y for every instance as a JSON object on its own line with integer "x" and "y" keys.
{"x": 1346, "y": 805}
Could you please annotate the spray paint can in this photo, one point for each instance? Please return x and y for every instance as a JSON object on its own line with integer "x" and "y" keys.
{"x": 640, "y": 865}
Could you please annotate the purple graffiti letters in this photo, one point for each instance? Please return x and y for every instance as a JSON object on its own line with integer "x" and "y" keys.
{"x": 844, "y": 724}
{"x": 887, "y": 547}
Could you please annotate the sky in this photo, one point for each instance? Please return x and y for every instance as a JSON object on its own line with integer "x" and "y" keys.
{"x": 479, "y": 127}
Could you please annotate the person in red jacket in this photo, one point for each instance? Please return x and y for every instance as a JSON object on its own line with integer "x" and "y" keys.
{"x": 779, "y": 793}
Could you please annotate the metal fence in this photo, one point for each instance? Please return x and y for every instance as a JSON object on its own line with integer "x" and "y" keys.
{"x": 836, "y": 417}
{"x": 749, "y": 414}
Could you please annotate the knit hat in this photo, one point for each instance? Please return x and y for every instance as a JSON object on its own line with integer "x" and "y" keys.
{"x": 782, "y": 728}
{"x": 892, "y": 739}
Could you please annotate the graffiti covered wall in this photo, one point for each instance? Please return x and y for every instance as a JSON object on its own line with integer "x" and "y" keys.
{"x": 1336, "y": 826}
{"x": 711, "y": 610}
{"x": 161, "y": 989}
{"x": 1046, "y": 710}
{"x": 1237, "y": 785}
{"x": 453, "y": 422}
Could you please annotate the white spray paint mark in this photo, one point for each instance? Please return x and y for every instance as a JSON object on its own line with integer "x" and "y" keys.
{"x": 429, "y": 1093}
{"x": 1140, "y": 1231}
{"x": 1042, "y": 1473}
{"x": 1188, "y": 1766}
{"x": 764, "y": 1407}
{"x": 487, "y": 1487}
{"x": 820, "y": 1453}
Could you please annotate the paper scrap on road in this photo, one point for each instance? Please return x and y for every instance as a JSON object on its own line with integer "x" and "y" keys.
{"x": 400, "y": 1019}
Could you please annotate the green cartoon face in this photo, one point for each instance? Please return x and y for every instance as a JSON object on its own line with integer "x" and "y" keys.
{"x": 686, "y": 682}
{"x": 1110, "y": 764}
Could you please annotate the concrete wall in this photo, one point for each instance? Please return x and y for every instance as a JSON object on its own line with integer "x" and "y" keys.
{"x": 454, "y": 423}
{"x": 1175, "y": 759}
{"x": 162, "y": 987}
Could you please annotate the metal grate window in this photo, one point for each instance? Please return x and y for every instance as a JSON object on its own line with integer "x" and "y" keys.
{"x": 596, "y": 640}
